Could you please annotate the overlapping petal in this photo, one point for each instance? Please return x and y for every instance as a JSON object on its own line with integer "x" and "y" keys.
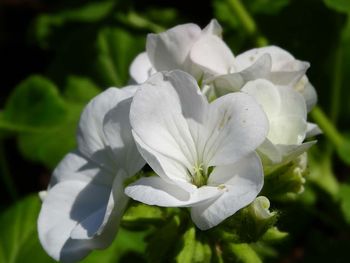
{"x": 82, "y": 209}
{"x": 285, "y": 70}
{"x": 177, "y": 131}
{"x": 239, "y": 183}
{"x": 286, "y": 111}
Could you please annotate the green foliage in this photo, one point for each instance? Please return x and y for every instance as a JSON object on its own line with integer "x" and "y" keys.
{"x": 161, "y": 242}
{"x": 35, "y": 103}
{"x": 140, "y": 216}
{"x": 344, "y": 199}
{"x": 242, "y": 253}
{"x": 18, "y": 233}
{"x": 116, "y": 49}
{"x": 45, "y": 25}
{"x": 338, "y": 5}
{"x": 127, "y": 244}
{"x": 80, "y": 89}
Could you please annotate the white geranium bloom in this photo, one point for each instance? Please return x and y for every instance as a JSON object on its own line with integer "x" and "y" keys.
{"x": 179, "y": 48}
{"x": 83, "y": 206}
{"x": 283, "y": 66}
{"x": 203, "y": 153}
{"x": 286, "y": 111}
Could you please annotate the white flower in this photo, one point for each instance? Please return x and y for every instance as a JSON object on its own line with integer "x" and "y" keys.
{"x": 203, "y": 153}
{"x": 204, "y": 55}
{"x": 179, "y": 48}
{"x": 83, "y": 206}
{"x": 286, "y": 111}
{"x": 279, "y": 67}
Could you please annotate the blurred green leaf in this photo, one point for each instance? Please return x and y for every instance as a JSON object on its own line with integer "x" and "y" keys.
{"x": 224, "y": 13}
{"x": 189, "y": 246}
{"x": 321, "y": 172}
{"x": 125, "y": 243}
{"x": 344, "y": 197}
{"x": 19, "y": 241}
{"x": 242, "y": 253}
{"x": 45, "y": 24}
{"x": 268, "y": 7}
{"x": 116, "y": 48}
{"x": 160, "y": 243}
{"x": 45, "y": 122}
{"x": 35, "y": 103}
{"x": 49, "y": 146}
{"x": 344, "y": 152}
{"x": 139, "y": 215}
{"x": 80, "y": 89}
{"x": 338, "y": 5}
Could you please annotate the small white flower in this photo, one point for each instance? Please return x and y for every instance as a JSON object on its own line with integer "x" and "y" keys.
{"x": 83, "y": 206}
{"x": 286, "y": 111}
{"x": 285, "y": 69}
{"x": 185, "y": 47}
{"x": 202, "y": 153}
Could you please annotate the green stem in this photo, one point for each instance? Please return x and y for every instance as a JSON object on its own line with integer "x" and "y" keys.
{"x": 5, "y": 174}
{"x": 138, "y": 21}
{"x": 337, "y": 83}
{"x": 327, "y": 126}
{"x": 247, "y": 22}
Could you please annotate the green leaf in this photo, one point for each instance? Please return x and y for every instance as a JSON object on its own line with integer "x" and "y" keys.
{"x": 49, "y": 146}
{"x": 35, "y": 103}
{"x": 127, "y": 243}
{"x": 188, "y": 246}
{"x": 274, "y": 235}
{"x": 243, "y": 253}
{"x": 160, "y": 243}
{"x": 338, "y": 5}
{"x": 344, "y": 197}
{"x": 19, "y": 241}
{"x": 80, "y": 89}
{"x": 343, "y": 151}
{"x": 321, "y": 172}
{"x": 268, "y": 7}
{"x": 116, "y": 49}
{"x": 139, "y": 216}
{"x": 46, "y": 24}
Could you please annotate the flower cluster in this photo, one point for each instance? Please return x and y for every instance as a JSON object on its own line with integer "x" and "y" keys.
{"x": 208, "y": 123}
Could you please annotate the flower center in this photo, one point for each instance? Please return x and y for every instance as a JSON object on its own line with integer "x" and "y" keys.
{"x": 200, "y": 175}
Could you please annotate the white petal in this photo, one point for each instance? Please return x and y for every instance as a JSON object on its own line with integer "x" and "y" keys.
{"x": 158, "y": 117}
{"x": 233, "y": 82}
{"x": 91, "y": 139}
{"x": 308, "y": 91}
{"x": 76, "y": 167}
{"x": 236, "y": 126}
{"x": 213, "y": 28}
{"x": 141, "y": 68}
{"x": 117, "y": 130}
{"x": 285, "y": 109}
{"x": 290, "y": 152}
{"x": 66, "y": 204}
{"x": 269, "y": 153}
{"x": 287, "y": 130}
{"x": 276, "y": 101}
{"x": 289, "y": 78}
{"x": 169, "y": 50}
{"x": 240, "y": 182}
{"x": 156, "y": 191}
{"x": 312, "y": 130}
{"x": 280, "y": 57}
{"x": 212, "y": 55}
{"x": 109, "y": 214}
